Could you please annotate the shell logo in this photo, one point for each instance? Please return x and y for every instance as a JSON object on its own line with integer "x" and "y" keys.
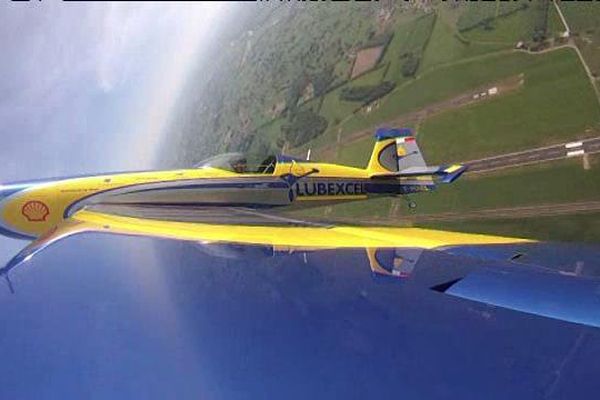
{"x": 35, "y": 211}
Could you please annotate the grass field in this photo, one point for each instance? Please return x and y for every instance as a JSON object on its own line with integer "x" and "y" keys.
{"x": 409, "y": 38}
{"x": 555, "y": 24}
{"x": 354, "y": 212}
{"x": 446, "y": 46}
{"x": 556, "y": 103}
{"x": 584, "y": 20}
{"x": 471, "y": 16}
{"x": 509, "y": 29}
{"x": 580, "y": 15}
{"x": 435, "y": 85}
{"x": 556, "y": 182}
{"x": 335, "y": 110}
{"x": 562, "y": 228}
{"x": 356, "y": 154}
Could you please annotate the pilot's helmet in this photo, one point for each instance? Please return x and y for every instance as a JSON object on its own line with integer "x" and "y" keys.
{"x": 239, "y": 164}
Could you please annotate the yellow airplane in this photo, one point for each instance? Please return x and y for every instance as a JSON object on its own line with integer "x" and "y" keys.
{"x": 396, "y": 168}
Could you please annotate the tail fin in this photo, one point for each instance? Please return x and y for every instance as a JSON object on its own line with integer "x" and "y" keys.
{"x": 397, "y": 154}
{"x": 394, "y": 151}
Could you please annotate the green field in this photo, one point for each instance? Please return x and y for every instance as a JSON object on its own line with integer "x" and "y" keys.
{"x": 446, "y": 46}
{"x": 335, "y": 110}
{"x": 556, "y": 103}
{"x": 408, "y": 38}
{"x": 350, "y": 213}
{"x": 555, "y": 24}
{"x": 260, "y": 78}
{"x": 555, "y": 182}
{"x": 580, "y": 15}
{"x": 356, "y": 154}
{"x": 434, "y": 85}
{"x": 562, "y": 228}
{"x": 584, "y": 21}
{"x": 509, "y": 29}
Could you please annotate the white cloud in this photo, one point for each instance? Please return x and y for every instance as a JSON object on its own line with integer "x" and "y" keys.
{"x": 91, "y": 76}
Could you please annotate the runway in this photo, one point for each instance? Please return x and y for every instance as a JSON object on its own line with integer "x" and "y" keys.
{"x": 533, "y": 156}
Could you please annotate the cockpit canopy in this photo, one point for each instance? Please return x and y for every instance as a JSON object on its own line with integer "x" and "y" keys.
{"x": 241, "y": 163}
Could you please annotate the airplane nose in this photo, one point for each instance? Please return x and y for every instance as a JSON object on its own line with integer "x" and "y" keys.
{"x": 10, "y": 189}
{"x": 5, "y": 192}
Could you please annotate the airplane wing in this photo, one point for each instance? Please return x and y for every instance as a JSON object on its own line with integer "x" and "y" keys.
{"x": 135, "y": 303}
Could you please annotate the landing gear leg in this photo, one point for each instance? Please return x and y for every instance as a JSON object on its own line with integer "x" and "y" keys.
{"x": 410, "y": 203}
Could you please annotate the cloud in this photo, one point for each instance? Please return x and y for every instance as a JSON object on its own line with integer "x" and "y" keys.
{"x": 81, "y": 81}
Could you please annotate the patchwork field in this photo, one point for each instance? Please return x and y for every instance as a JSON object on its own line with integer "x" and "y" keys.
{"x": 366, "y": 59}
{"x": 356, "y": 68}
{"x": 562, "y": 228}
{"x": 410, "y": 40}
{"x": 555, "y": 182}
{"x": 584, "y": 21}
{"x": 506, "y": 23}
{"x": 556, "y": 103}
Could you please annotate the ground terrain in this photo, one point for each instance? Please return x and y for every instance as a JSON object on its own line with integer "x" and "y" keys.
{"x": 341, "y": 72}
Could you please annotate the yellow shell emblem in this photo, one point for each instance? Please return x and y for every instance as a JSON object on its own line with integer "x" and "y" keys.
{"x": 35, "y": 211}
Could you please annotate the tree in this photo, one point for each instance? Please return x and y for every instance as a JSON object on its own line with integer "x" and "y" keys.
{"x": 303, "y": 126}
{"x": 367, "y": 93}
{"x": 410, "y": 65}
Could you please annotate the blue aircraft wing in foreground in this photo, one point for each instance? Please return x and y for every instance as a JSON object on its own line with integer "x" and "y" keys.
{"x": 105, "y": 315}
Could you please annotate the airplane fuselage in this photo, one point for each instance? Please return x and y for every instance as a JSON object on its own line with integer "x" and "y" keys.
{"x": 29, "y": 209}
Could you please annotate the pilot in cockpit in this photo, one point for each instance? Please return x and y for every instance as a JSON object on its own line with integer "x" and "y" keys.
{"x": 239, "y": 165}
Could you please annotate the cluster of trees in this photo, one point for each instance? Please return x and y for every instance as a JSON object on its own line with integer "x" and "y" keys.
{"x": 294, "y": 92}
{"x": 368, "y": 93}
{"x": 540, "y": 21}
{"x": 303, "y": 126}
{"x": 483, "y": 15}
{"x": 410, "y": 64}
{"x": 379, "y": 40}
{"x": 322, "y": 80}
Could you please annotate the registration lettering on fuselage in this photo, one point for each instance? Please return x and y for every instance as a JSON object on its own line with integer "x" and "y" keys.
{"x": 329, "y": 188}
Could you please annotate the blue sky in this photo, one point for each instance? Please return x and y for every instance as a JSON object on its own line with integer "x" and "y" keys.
{"x": 88, "y": 87}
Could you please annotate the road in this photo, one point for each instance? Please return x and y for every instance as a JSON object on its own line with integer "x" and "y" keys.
{"x": 556, "y": 152}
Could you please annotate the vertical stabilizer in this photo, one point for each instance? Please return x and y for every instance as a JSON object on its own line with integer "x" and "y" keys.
{"x": 394, "y": 150}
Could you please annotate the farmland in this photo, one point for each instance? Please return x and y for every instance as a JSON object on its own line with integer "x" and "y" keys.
{"x": 348, "y": 70}
{"x": 583, "y": 20}
{"x": 557, "y": 182}
{"x": 366, "y": 59}
{"x": 563, "y": 228}
{"x": 556, "y": 103}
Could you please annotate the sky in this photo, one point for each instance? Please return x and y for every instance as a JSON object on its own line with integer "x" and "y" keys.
{"x": 88, "y": 87}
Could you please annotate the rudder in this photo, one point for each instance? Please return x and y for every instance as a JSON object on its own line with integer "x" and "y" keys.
{"x": 394, "y": 151}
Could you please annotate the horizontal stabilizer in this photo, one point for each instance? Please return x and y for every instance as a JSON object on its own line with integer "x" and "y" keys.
{"x": 452, "y": 173}
{"x": 445, "y": 174}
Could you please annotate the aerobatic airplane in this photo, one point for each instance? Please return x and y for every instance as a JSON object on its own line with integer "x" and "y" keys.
{"x": 396, "y": 168}
{"x": 156, "y": 285}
